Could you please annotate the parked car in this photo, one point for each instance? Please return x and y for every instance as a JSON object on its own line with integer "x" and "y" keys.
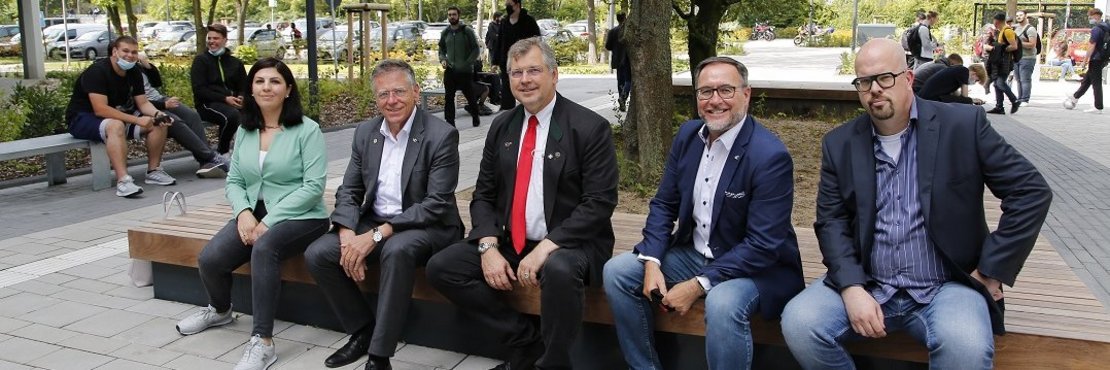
{"x": 1078, "y": 41}
{"x": 328, "y": 50}
{"x": 433, "y": 32}
{"x": 399, "y": 31}
{"x": 548, "y": 25}
{"x": 420, "y": 25}
{"x": 151, "y": 33}
{"x": 47, "y": 22}
{"x": 266, "y": 41}
{"x": 11, "y": 47}
{"x": 7, "y": 31}
{"x": 185, "y": 48}
{"x": 579, "y": 29}
{"x": 166, "y": 40}
{"x": 556, "y": 35}
{"x": 302, "y": 25}
{"x": 60, "y": 33}
{"x": 88, "y": 46}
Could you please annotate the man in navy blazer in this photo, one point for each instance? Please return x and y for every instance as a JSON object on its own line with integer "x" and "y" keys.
{"x": 901, "y": 225}
{"x": 729, "y": 183}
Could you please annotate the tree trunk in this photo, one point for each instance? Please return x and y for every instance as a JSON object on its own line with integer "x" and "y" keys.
{"x": 113, "y": 16}
{"x": 647, "y": 133}
{"x": 211, "y": 14}
{"x": 132, "y": 20}
{"x": 703, "y": 28}
{"x": 241, "y": 8}
{"x": 199, "y": 26}
{"x": 591, "y": 56}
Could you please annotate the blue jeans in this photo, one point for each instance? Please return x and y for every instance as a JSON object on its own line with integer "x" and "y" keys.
{"x": 1025, "y": 78}
{"x": 1066, "y": 68}
{"x": 955, "y": 327}
{"x": 728, "y": 338}
{"x": 1002, "y": 88}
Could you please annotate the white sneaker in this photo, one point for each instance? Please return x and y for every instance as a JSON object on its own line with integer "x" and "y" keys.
{"x": 159, "y": 177}
{"x": 204, "y": 319}
{"x": 1070, "y": 101}
{"x": 126, "y": 187}
{"x": 257, "y": 356}
{"x": 1093, "y": 111}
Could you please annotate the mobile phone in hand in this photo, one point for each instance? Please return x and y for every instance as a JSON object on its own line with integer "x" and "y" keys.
{"x": 657, "y": 298}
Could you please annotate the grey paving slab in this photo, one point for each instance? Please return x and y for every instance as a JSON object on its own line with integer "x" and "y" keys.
{"x": 32, "y": 248}
{"x": 90, "y": 285}
{"x": 8, "y": 324}
{"x": 158, "y": 332}
{"x": 37, "y": 287}
{"x": 43, "y": 333}
{"x": 311, "y": 335}
{"x": 405, "y": 365}
{"x": 161, "y": 308}
{"x": 109, "y": 323}
{"x": 314, "y": 359}
{"x": 96, "y": 299}
{"x": 19, "y": 259}
{"x": 67, "y": 358}
{"x": 286, "y": 351}
{"x": 8, "y": 365}
{"x": 429, "y": 356}
{"x": 90, "y": 271}
{"x": 131, "y": 292}
{"x": 145, "y": 354}
{"x": 63, "y": 313}
{"x": 122, "y": 278}
{"x": 20, "y": 303}
{"x": 211, "y": 343}
{"x": 191, "y": 362}
{"x": 55, "y": 278}
{"x": 93, "y": 343}
{"x": 23, "y": 351}
{"x": 121, "y": 364}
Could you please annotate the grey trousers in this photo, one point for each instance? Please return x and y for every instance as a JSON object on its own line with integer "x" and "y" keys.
{"x": 188, "y": 130}
{"x": 399, "y": 256}
{"x": 226, "y": 252}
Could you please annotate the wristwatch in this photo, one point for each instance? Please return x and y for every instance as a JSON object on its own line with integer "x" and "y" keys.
{"x": 483, "y": 247}
{"x": 377, "y": 235}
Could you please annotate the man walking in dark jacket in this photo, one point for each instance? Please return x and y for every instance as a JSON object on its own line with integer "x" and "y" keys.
{"x": 218, "y": 82}
{"x": 458, "y": 52}
{"x": 516, "y": 25}
{"x": 619, "y": 60}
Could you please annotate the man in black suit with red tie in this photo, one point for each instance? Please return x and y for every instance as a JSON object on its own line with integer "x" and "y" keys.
{"x": 546, "y": 189}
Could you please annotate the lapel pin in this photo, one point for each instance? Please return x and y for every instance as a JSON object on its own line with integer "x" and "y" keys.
{"x": 549, "y": 156}
{"x": 415, "y": 140}
{"x": 508, "y": 144}
{"x": 375, "y": 141}
{"x": 736, "y": 158}
{"x": 558, "y": 154}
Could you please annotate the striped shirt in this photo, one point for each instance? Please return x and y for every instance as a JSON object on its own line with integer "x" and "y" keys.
{"x": 904, "y": 257}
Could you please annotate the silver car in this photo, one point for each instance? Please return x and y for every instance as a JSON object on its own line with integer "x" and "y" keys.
{"x": 89, "y": 46}
{"x": 165, "y": 40}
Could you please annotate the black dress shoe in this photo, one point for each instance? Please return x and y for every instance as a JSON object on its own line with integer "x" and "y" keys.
{"x": 378, "y": 363}
{"x": 352, "y": 351}
{"x": 502, "y": 366}
{"x": 524, "y": 358}
{"x": 997, "y": 110}
{"x": 1014, "y": 106}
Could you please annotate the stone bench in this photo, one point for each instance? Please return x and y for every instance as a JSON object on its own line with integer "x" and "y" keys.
{"x": 1053, "y": 319}
{"x": 54, "y": 147}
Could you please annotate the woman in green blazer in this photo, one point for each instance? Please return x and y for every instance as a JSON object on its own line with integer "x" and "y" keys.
{"x": 276, "y": 188}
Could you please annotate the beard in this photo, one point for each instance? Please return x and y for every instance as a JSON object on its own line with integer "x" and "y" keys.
{"x": 880, "y": 114}
{"x": 724, "y": 124}
{"x": 453, "y": 22}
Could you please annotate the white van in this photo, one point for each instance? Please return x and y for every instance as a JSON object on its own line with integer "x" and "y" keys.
{"x": 69, "y": 31}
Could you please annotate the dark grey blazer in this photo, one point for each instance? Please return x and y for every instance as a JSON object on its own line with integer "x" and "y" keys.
{"x": 428, "y": 179}
{"x": 958, "y": 152}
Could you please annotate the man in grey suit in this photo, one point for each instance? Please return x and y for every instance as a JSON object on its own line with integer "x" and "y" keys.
{"x": 901, "y": 225}
{"x": 397, "y": 206}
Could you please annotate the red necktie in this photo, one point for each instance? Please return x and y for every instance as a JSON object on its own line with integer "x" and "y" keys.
{"x": 518, "y": 222}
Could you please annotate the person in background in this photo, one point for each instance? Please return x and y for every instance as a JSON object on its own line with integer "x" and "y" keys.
{"x": 516, "y": 25}
{"x": 187, "y": 127}
{"x": 458, "y": 54}
{"x": 922, "y": 72}
{"x": 276, "y": 191}
{"x": 1096, "y": 62}
{"x": 950, "y": 84}
{"x": 1029, "y": 38}
{"x": 218, "y": 84}
{"x": 619, "y": 61}
{"x": 1001, "y": 63}
{"x": 1058, "y": 57}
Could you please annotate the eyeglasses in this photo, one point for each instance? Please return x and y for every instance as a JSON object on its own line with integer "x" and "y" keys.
{"x": 885, "y": 80}
{"x": 726, "y": 92}
{"x": 532, "y": 72}
{"x": 397, "y": 93}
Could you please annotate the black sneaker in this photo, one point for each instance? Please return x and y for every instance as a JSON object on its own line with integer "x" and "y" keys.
{"x": 1014, "y": 107}
{"x": 997, "y": 110}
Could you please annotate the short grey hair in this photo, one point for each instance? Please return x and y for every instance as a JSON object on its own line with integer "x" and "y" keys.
{"x": 394, "y": 65}
{"x": 524, "y": 46}
{"x": 743, "y": 70}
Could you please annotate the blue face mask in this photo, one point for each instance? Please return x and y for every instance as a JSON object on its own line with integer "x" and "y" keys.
{"x": 124, "y": 64}
{"x": 217, "y": 52}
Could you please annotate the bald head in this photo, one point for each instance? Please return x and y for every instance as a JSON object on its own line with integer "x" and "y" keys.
{"x": 881, "y": 52}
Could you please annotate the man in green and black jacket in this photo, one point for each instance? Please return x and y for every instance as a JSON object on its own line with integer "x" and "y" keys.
{"x": 458, "y": 51}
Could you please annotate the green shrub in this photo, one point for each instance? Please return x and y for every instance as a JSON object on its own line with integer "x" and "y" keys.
{"x": 176, "y": 82}
{"x": 585, "y": 69}
{"x": 247, "y": 53}
{"x": 786, "y": 32}
{"x": 838, "y": 39}
{"x": 847, "y": 64}
{"x": 12, "y": 119}
{"x": 45, "y": 105}
{"x": 569, "y": 52}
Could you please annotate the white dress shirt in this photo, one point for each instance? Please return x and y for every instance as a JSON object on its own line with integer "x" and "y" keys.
{"x": 533, "y": 210}
{"x": 387, "y": 204}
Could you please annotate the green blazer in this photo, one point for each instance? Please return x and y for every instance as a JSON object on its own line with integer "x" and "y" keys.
{"x": 291, "y": 180}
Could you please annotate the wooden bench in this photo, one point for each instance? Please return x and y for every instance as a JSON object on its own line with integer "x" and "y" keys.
{"x": 427, "y": 94}
{"x": 54, "y": 147}
{"x": 1053, "y": 320}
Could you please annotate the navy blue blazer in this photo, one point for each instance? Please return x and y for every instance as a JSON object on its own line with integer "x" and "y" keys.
{"x": 750, "y": 233}
{"x": 957, "y": 154}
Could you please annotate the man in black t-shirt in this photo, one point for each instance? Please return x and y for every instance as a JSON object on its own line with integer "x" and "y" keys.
{"x": 950, "y": 84}
{"x": 97, "y": 110}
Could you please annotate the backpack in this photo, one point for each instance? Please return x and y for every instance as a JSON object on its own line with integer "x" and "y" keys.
{"x": 1025, "y": 30}
{"x": 1103, "y": 46}
{"x": 911, "y": 41}
{"x": 1015, "y": 55}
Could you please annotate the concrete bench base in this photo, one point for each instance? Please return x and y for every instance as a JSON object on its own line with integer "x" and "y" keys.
{"x": 54, "y": 147}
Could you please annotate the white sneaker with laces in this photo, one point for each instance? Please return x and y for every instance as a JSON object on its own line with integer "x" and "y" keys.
{"x": 126, "y": 187}
{"x": 205, "y": 318}
{"x": 159, "y": 177}
{"x": 1093, "y": 110}
{"x": 1069, "y": 102}
{"x": 257, "y": 356}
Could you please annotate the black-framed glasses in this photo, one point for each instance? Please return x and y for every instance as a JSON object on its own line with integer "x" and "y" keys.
{"x": 885, "y": 80}
{"x": 726, "y": 92}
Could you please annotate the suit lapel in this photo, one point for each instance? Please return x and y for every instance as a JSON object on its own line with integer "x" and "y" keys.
{"x": 554, "y": 157}
{"x": 735, "y": 156}
{"x": 863, "y": 176}
{"x": 510, "y": 146}
{"x": 412, "y": 150}
{"x": 373, "y": 159}
{"x": 927, "y": 139}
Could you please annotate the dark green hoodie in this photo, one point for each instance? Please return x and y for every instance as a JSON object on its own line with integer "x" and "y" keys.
{"x": 459, "y": 48}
